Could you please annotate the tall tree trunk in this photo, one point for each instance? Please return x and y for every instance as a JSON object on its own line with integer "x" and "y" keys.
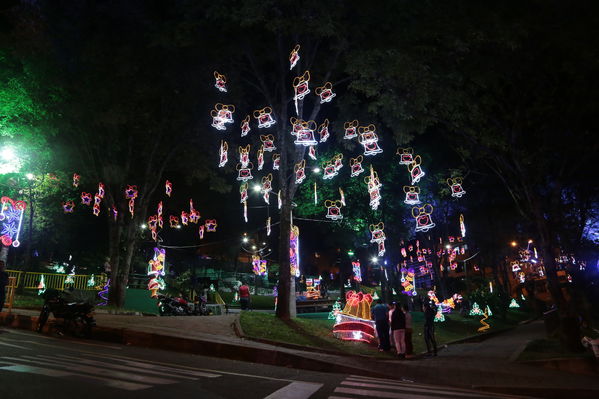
{"x": 284, "y": 293}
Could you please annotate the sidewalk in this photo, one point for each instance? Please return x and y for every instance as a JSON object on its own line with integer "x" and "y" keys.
{"x": 486, "y": 365}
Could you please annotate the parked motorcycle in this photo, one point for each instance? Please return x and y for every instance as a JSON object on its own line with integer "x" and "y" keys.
{"x": 177, "y": 306}
{"x": 78, "y": 317}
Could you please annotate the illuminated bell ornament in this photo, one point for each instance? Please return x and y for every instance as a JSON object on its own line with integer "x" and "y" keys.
{"x": 260, "y": 156}
{"x": 86, "y": 198}
{"x": 369, "y": 140}
{"x": 210, "y": 225}
{"x": 173, "y": 221}
{"x": 301, "y": 88}
{"x": 244, "y": 173}
{"x": 131, "y": 192}
{"x": 351, "y": 129}
{"x": 184, "y": 218}
{"x": 312, "y": 152}
{"x": 415, "y": 170}
{"x": 221, "y": 115}
{"x": 377, "y": 232}
{"x": 76, "y": 178}
{"x": 456, "y": 187}
{"x": 333, "y": 210}
{"x": 303, "y": 132}
{"x": 323, "y": 131}
{"x": 243, "y": 191}
{"x": 201, "y": 232}
{"x": 276, "y": 161}
{"x": 300, "y": 171}
{"x": 325, "y": 92}
{"x": 168, "y": 188}
{"x": 268, "y": 142}
{"x": 355, "y": 165}
{"x": 266, "y": 187}
{"x": 245, "y": 126}
{"x": 412, "y": 195}
{"x": 422, "y": 215}
{"x": 405, "y": 156}
{"x": 101, "y": 190}
{"x": 220, "y": 82}
{"x": 294, "y": 57}
{"x": 244, "y": 155}
{"x": 329, "y": 170}
{"x": 223, "y": 155}
{"x": 68, "y": 206}
{"x": 264, "y": 117}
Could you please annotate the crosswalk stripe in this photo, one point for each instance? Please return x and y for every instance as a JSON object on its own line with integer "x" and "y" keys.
{"x": 25, "y": 368}
{"x": 105, "y": 372}
{"x": 415, "y": 390}
{"x": 295, "y": 390}
{"x": 380, "y": 394}
{"x": 14, "y": 346}
{"x": 387, "y": 382}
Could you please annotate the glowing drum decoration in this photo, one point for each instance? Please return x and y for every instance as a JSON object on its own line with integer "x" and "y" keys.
{"x": 11, "y": 216}
{"x": 354, "y": 322}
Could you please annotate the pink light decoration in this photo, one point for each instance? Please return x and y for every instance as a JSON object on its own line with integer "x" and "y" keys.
{"x": 351, "y": 129}
{"x": 86, "y": 198}
{"x": 266, "y": 187}
{"x": 301, "y": 88}
{"x": 264, "y": 117}
{"x": 456, "y": 187}
{"x": 323, "y": 131}
{"x": 152, "y": 222}
{"x": 101, "y": 190}
{"x": 184, "y": 218}
{"x": 312, "y": 152}
{"x": 245, "y": 126}
{"x": 415, "y": 170}
{"x": 244, "y": 173}
{"x": 325, "y": 92}
{"x": 210, "y": 225}
{"x": 243, "y": 192}
{"x": 131, "y": 192}
{"x": 405, "y": 156}
{"x": 97, "y": 200}
{"x": 374, "y": 185}
{"x": 276, "y": 161}
{"x": 303, "y": 132}
{"x": 338, "y": 160}
{"x": 168, "y": 187}
{"x": 294, "y": 57}
{"x": 223, "y": 154}
{"x": 221, "y": 115}
{"x": 422, "y": 215}
{"x": 333, "y": 210}
{"x": 220, "y": 82}
{"x": 132, "y": 206}
{"x": 76, "y": 179}
{"x": 260, "y": 155}
{"x": 378, "y": 236}
{"x": 412, "y": 195}
{"x": 357, "y": 271}
{"x": 244, "y": 155}
{"x": 369, "y": 140}
{"x": 68, "y": 206}
{"x": 159, "y": 209}
{"x": 173, "y": 221}
{"x": 96, "y": 210}
{"x": 268, "y": 142}
{"x": 355, "y": 165}
{"x": 300, "y": 171}
{"x": 329, "y": 170}
{"x": 201, "y": 232}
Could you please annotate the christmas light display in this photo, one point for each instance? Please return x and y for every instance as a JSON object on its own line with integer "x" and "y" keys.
{"x": 476, "y": 310}
{"x": 374, "y": 185}
{"x": 268, "y": 226}
{"x": 276, "y": 161}
{"x": 300, "y": 171}
{"x": 333, "y": 210}
{"x": 260, "y": 157}
{"x": 168, "y": 188}
{"x": 514, "y": 304}
{"x": 355, "y": 165}
{"x": 415, "y": 170}
{"x": 11, "y": 215}
{"x": 300, "y": 88}
{"x": 258, "y": 266}
{"x": 407, "y": 281}
{"x": 323, "y": 131}
{"x": 354, "y": 322}
{"x": 488, "y": 311}
{"x": 210, "y": 225}
{"x": 335, "y": 311}
{"x": 338, "y": 160}
{"x": 70, "y": 278}
{"x": 68, "y": 206}
{"x": 223, "y": 153}
{"x": 173, "y": 221}
{"x": 280, "y": 200}
{"x": 303, "y": 132}
{"x": 243, "y": 191}
{"x": 201, "y": 230}
{"x": 245, "y": 126}
{"x": 405, "y": 156}
{"x": 156, "y": 271}
{"x": 456, "y": 187}
{"x": 325, "y": 92}
{"x": 369, "y": 140}
{"x": 312, "y": 152}
{"x": 315, "y": 195}
{"x": 86, "y": 198}
{"x": 76, "y": 179}
{"x": 357, "y": 271}
{"x": 41, "y": 287}
{"x": 101, "y": 190}
{"x": 422, "y": 215}
{"x": 294, "y": 57}
{"x": 412, "y": 195}
{"x": 462, "y": 226}
{"x": 245, "y": 172}
{"x": 439, "y": 317}
{"x": 244, "y": 155}
{"x": 264, "y": 117}
{"x": 329, "y": 169}
{"x": 378, "y": 236}
{"x": 351, "y": 129}
{"x": 103, "y": 294}
{"x": 266, "y": 187}
{"x": 91, "y": 282}
{"x": 294, "y": 258}
{"x": 486, "y": 325}
{"x": 220, "y": 82}
{"x": 96, "y": 210}
{"x": 152, "y": 222}
{"x": 184, "y": 218}
{"x": 268, "y": 142}
{"x": 341, "y": 196}
{"x": 221, "y": 115}
{"x": 131, "y": 192}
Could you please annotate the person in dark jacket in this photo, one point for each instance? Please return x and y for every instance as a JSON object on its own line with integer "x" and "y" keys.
{"x": 398, "y": 329}
{"x": 429, "y": 328}
{"x": 3, "y": 284}
{"x": 380, "y": 316}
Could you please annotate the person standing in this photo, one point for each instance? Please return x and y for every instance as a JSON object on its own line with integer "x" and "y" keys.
{"x": 409, "y": 345}
{"x": 3, "y": 284}
{"x": 380, "y": 315}
{"x": 398, "y": 329}
{"x": 244, "y": 297}
{"x": 429, "y": 329}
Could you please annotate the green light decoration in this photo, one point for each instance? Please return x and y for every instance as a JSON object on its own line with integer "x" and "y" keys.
{"x": 10, "y": 162}
{"x": 439, "y": 317}
{"x": 350, "y": 252}
{"x": 488, "y": 311}
{"x": 336, "y": 309}
{"x": 476, "y": 310}
{"x": 91, "y": 282}
{"x": 375, "y": 296}
{"x": 41, "y": 288}
{"x": 514, "y": 304}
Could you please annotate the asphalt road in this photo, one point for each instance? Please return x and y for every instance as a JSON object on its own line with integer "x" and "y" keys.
{"x": 34, "y": 366}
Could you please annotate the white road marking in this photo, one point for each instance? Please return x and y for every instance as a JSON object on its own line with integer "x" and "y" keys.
{"x": 14, "y": 346}
{"x": 21, "y": 368}
{"x": 296, "y": 390}
{"x": 415, "y": 390}
{"x": 381, "y": 394}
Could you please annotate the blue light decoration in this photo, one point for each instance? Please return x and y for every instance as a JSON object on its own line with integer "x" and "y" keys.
{"x": 259, "y": 266}
{"x": 11, "y": 216}
{"x": 357, "y": 271}
{"x": 294, "y": 258}
{"x": 156, "y": 271}
{"x": 104, "y": 294}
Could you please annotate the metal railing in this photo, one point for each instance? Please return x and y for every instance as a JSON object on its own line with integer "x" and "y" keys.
{"x": 57, "y": 281}
{"x": 10, "y": 292}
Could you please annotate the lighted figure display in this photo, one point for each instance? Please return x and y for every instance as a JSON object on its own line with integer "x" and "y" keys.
{"x": 514, "y": 304}
{"x": 456, "y": 187}
{"x": 357, "y": 271}
{"x": 415, "y": 170}
{"x": 312, "y": 152}
{"x": 86, "y": 198}
{"x": 369, "y": 140}
{"x": 405, "y": 156}
{"x": 374, "y": 185}
{"x": 173, "y": 221}
{"x": 300, "y": 171}
{"x": 245, "y": 172}
{"x": 336, "y": 310}
{"x": 260, "y": 157}
{"x": 223, "y": 154}
{"x": 303, "y": 132}
{"x": 201, "y": 231}
{"x": 462, "y": 226}
{"x": 11, "y": 216}
{"x": 422, "y": 215}
{"x": 210, "y": 225}
{"x": 264, "y": 117}
{"x": 68, "y": 206}
{"x": 266, "y": 187}
{"x": 294, "y": 254}
{"x": 378, "y": 236}
{"x": 476, "y": 310}
{"x": 439, "y": 317}
{"x": 101, "y": 190}
{"x": 333, "y": 209}
{"x": 243, "y": 191}
{"x": 168, "y": 188}
{"x": 156, "y": 270}
{"x": 338, "y": 160}
{"x": 488, "y": 311}
{"x": 245, "y": 126}
{"x": 244, "y": 155}
{"x": 276, "y": 161}
{"x": 351, "y": 129}
{"x": 184, "y": 218}
{"x": 301, "y": 88}
{"x": 323, "y": 131}
{"x": 412, "y": 195}
{"x": 91, "y": 282}
{"x": 355, "y": 165}
{"x": 220, "y": 82}
{"x": 258, "y": 266}
{"x": 76, "y": 179}
{"x": 354, "y": 322}
{"x": 268, "y": 142}
{"x": 329, "y": 170}
{"x": 486, "y": 325}
{"x": 41, "y": 287}
{"x": 103, "y": 294}
{"x": 294, "y": 57}
{"x": 325, "y": 92}
{"x": 221, "y": 115}
{"x": 407, "y": 281}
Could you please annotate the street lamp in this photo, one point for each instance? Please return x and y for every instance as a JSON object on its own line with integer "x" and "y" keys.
{"x": 10, "y": 161}
{"x": 257, "y": 188}
{"x": 316, "y": 170}
{"x": 245, "y": 240}
{"x": 513, "y": 243}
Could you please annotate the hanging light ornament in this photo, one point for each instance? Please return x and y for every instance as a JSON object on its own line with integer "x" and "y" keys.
{"x": 455, "y": 184}
{"x": 210, "y": 225}
{"x": 351, "y": 129}
{"x": 266, "y": 187}
{"x": 374, "y": 185}
{"x": 168, "y": 188}
{"x": 224, "y": 147}
{"x": 68, "y": 206}
{"x": 422, "y": 215}
{"x": 378, "y": 236}
{"x": 405, "y": 156}
{"x": 325, "y": 92}
{"x": 276, "y": 161}
{"x": 264, "y": 117}
{"x": 301, "y": 88}
{"x": 412, "y": 195}
{"x": 369, "y": 140}
{"x": 86, "y": 198}
{"x": 300, "y": 171}
{"x": 323, "y": 131}
{"x": 303, "y": 132}
{"x": 243, "y": 192}
{"x": 355, "y": 165}
{"x": 76, "y": 179}
{"x": 312, "y": 152}
{"x": 333, "y": 210}
{"x": 294, "y": 57}
{"x": 220, "y": 82}
{"x": 415, "y": 170}
{"x": 221, "y": 115}
{"x": 260, "y": 156}
{"x": 268, "y": 142}
{"x": 245, "y": 126}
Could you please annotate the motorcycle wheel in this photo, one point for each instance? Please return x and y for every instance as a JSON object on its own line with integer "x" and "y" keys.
{"x": 80, "y": 327}
{"x": 42, "y": 319}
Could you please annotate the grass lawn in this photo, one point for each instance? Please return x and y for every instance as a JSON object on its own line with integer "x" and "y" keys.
{"x": 315, "y": 330}
{"x": 28, "y": 301}
{"x": 262, "y": 302}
